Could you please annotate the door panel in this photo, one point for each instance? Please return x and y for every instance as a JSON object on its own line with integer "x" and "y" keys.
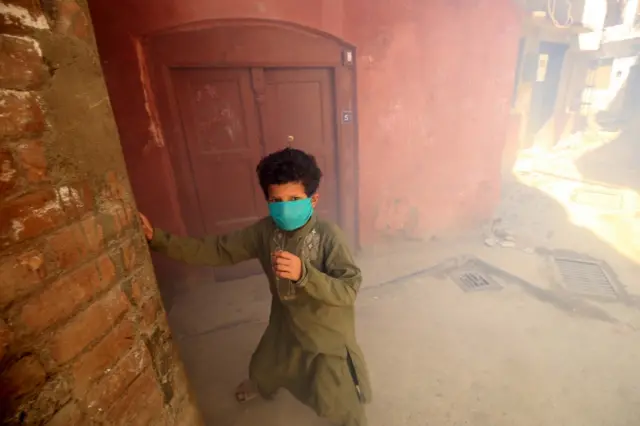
{"x": 220, "y": 123}
{"x": 298, "y": 110}
{"x": 231, "y": 118}
{"x": 543, "y": 99}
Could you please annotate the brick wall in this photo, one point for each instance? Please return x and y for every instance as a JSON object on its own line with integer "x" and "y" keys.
{"x": 83, "y": 335}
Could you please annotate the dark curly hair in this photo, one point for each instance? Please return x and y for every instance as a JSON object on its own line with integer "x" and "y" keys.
{"x": 287, "y": 166}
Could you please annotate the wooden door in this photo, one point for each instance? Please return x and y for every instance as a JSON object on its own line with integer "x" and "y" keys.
{"x": 231, "y": 118}
{"x": 221, "y": 128}
{"x": 225, "y": 97}
{"x": 297, "y": 109}
{"x": 545, "y": 89}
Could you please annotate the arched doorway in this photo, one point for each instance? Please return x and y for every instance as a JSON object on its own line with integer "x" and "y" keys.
{"x": 229, "y": 92}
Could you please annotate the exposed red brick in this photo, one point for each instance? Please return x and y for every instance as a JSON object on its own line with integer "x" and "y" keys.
{"x": 88, "y": 326}
{"x": 76, "y": 199}
{"x": 32, "y": 160}
{"x": 129, "y": 255}
{"x": 51, "y": 397}
{"x": 72, "y": 20}
{"x": 115, "y": 382}
{"x": 142, "y": 288}
{"x": 71, "y": 245}
{"x": 30, "y": 216}
{"x": 60, "y": 300}
{"x": 21, "y": 65}
{"x": 115, "y": 188}
{"x": 5, "y": 338}
{"x": 131, "y": 214}
{"x": 94, "y": 233}
{"x": 140, "y": 404}
{"x": 8, "y": 173}
{"x": 136, "y": 290}
{"x": 93, "y": 365}
{"x": 20, "y": 275}
{"x": 114, "y": 218}
{"x": 68, "y": 247}
{"x": 23, "y": 16}
{"x": 20, "y": 114}
{"x": 33, "y": 8}
{"x": 107, "y": 268}
{"x": 61, "y": 296}
{"x": 21, "y": 378}
{"x": 69, "y": 415}
{"x": 88, "y": 195}
{"x": 109, "y": 225}
{"x": 149, "y": 310}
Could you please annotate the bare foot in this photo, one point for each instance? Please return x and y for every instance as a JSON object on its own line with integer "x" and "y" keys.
{"x": 246, "y": 392}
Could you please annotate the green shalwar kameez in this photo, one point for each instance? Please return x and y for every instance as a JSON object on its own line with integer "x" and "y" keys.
{"x": 309, "y": 346}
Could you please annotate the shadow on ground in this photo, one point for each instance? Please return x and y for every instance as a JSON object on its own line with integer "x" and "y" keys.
{"x": 531, "y": 352}
{"x": 616, "y": 163}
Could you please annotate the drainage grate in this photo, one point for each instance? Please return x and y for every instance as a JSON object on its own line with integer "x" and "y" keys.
{"x": 474, "y": 281}
{"x": 585, "y": 277}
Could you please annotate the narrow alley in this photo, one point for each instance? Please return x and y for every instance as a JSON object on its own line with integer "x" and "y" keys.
{"x": 528, "y": 352}
{"x": 479, "y": 159}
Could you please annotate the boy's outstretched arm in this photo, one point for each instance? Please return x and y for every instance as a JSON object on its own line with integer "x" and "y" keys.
{"x": 339, "y": 286}
{"x": 221, "y": 250}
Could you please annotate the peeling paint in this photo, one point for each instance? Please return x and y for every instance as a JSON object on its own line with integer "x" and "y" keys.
{"x": 6, "y": 171}
{"x": 32, "y": 41}
{"x": 16, "y": 93}
{"x": 70, "y": 196}
{"x": 156, "y": 135}
{"x": 46, "y": 209}
{"x": 110, "y": 207}
{"x": 17, "y": 227}
{"x": 149, "y": 102}
{"x": 23, "y": 16}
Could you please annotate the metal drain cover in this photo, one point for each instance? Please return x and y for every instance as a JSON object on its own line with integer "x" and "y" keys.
{"x": 474, "y": 281}
{"x": 585, "y": 277}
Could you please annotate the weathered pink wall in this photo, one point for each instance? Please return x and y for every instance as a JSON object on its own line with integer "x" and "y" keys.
{"x": 435, "y": 80}
{"x": 434, "y": 83}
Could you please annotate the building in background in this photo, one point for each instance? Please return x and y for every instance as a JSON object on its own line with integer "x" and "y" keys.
{"x": 576, "y": 70}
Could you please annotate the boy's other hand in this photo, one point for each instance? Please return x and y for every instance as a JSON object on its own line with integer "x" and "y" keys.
{"x": 146, "y": 227}
{"x": 287, "y": 265}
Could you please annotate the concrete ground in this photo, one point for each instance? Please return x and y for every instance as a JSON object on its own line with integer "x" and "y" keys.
{"x": 440, "y": 356}
{"x": 534, "y": 353}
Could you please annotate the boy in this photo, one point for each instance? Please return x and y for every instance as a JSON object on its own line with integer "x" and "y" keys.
{"x": 309, "y": 346}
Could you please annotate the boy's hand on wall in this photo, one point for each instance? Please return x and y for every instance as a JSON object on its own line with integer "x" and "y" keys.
{"x": 287, "y": 265}
{"x": 146, "y": 227}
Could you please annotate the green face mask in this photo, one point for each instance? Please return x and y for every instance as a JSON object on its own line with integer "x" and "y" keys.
{"x": 291, "y": 215}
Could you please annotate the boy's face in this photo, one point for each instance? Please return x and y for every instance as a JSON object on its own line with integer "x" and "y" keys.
{"x": 291, "y": 191}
